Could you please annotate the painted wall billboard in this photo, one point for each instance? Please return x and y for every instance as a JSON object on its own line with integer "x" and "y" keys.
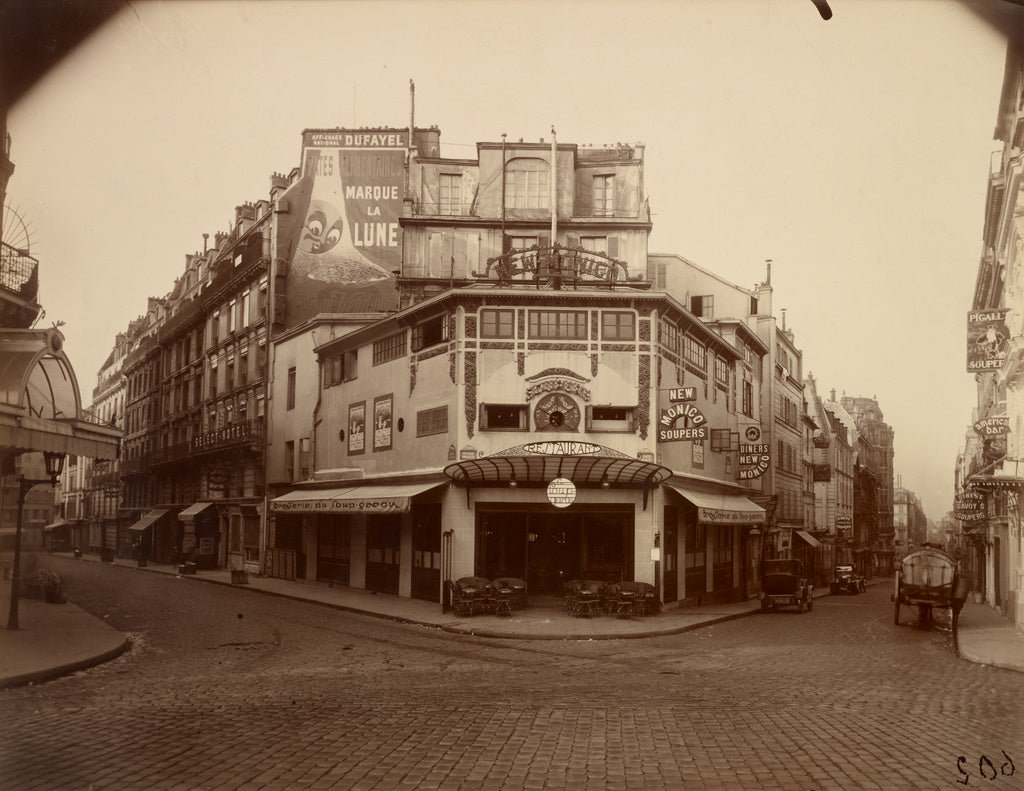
{"x": 987, "y": 336}
{"x": 340, "y": 231}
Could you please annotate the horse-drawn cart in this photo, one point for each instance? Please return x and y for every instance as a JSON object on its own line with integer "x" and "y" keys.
{"x": 928, "y": 579}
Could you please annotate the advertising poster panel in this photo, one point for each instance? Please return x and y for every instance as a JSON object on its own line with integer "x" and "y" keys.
{"x": 357, "y": 428}
{"x": 987, "y": 336}
{"x": 382, "y": 423}
{"x": 340, "y": 232}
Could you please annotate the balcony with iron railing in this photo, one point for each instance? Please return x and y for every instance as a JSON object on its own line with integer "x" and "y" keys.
{"x": 19, "y": 287}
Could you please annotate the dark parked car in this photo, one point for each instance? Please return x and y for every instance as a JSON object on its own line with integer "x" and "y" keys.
{"x": 783, "y": 583}
{"x": 846, "y": 581}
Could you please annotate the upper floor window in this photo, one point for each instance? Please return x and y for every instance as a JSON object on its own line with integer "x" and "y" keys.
{"x": 527, "y": 184}
{"x": 617, "y": 326}
{"x": 721, "y": 371}
{"x": 595, "y": 244}
{"x": 670, "y": 336}
{"x": 389, "y": 348}
{"x": 497, "y": 323}
{"x": 430, "y": 332}
{"x": 291, "y": 389}
{"x": 604, "y": 196}
{"x": 703, "y": 306}
{"x": 558, "y": 324}
{"x": 339, "y": 368}
{"x": 450, "y": 194}
{"x": 522, "y": 242}
{"x": 696, "y": 353}
{"x": 748, "y": 399}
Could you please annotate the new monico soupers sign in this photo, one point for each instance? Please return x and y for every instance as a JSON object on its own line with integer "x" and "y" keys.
{"x": 694, "y": 424}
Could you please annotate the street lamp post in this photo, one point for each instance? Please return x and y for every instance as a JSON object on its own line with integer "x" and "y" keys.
{"x": 54, "y": 466}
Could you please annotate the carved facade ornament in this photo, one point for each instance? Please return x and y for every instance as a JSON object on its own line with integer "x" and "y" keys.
{"x": 556, "y": 412}
{"x": 521, "y": 363}
{"x": 470, "y": 326}
{"x": 470, "y": 378}
{"x": 644, "y": 395}
{"x": 593, "y": 364}
{"x": 557, "y": 372}
{"x": 550, "y": 385}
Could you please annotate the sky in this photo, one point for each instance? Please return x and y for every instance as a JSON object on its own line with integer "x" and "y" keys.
{"x": 854, "y": 153}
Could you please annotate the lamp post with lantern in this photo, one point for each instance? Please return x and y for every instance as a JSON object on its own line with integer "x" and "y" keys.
{"x": 54, "y": 467}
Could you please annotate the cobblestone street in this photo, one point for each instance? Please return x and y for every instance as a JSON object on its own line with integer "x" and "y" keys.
{"x": 224, "y": 689}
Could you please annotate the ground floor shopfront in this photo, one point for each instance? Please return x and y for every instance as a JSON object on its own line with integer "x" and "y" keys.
{"x": 409, "y": 538}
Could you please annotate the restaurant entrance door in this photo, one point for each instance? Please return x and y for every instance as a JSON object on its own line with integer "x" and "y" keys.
{"x": 547, "y": 547}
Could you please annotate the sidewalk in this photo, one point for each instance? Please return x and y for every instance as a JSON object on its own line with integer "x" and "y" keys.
{"x": 57, "y": 639}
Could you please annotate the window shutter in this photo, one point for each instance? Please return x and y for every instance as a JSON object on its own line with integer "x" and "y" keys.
{"x": 589, "y": 418}
{"x": 483, "y": 416}
{"x": 613, "y": 246}
{"x": 417, "y": 338}
{"x": 572, "y": 241}
{"x": 506, "y": 243}
{"x": 544, "y": 240}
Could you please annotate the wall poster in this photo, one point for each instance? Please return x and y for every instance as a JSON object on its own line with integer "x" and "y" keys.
{"x": 382, "y": 407}
{"x": 357, "y": 428}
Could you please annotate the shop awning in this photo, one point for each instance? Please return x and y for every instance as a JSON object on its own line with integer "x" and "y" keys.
{"x": 55, "y": 525}
{"x": 539, "y": 463}
{"x": 367, "y": 499}
{"x": 148, "y": 519}
{"x": 189, "y": 514}
{"x": 726, "y": 509}
{"x": 807, "y": 538}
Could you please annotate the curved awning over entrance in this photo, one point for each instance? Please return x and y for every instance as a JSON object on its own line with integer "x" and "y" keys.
{"x": 40, "y": 405}
{"x": 539, "y": 463}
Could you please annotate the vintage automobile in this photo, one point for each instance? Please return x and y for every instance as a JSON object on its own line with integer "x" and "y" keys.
{"x": 846, "y": 581}
{"x": 783, "y": 583}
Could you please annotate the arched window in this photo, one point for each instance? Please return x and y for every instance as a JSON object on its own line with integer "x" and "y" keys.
{"x": 527, "y": 185}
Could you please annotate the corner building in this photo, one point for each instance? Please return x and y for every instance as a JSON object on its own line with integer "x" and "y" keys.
{"x": 536, "y": 408}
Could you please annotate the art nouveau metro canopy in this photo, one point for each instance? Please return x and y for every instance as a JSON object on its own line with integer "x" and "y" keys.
{"x": 40, "y": 406}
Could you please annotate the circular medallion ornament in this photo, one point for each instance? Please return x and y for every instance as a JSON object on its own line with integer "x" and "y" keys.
{"x": 561, "y": 492}
{"x": 556, "y": 412}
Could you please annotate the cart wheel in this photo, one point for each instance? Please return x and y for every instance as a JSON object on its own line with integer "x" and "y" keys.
{"x": 896, "y": 613}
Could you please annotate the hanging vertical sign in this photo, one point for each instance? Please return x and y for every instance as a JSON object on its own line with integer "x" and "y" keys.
{"x": 987, "y": 336}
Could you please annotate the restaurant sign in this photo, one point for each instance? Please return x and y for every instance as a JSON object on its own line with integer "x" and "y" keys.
{"x": 987, "y": 336}
{"x": 561, "y": 492}
{"x": 754, "y": 460}
{"x": 694, "y": 424}
{"x": 562, "y": 448}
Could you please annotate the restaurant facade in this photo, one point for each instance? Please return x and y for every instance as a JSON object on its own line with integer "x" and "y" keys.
{"x": 540, "y": 406}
